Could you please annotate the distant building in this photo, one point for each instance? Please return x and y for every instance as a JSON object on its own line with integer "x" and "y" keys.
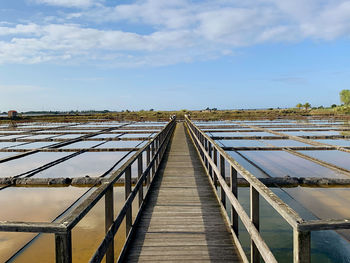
{"x": 12, "y": 114}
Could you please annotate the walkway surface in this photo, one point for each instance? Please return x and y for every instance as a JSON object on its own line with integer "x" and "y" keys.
{"x": 182, "y": 221}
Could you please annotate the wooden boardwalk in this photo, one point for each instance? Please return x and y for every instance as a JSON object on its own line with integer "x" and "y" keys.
{"x": 182, "y": 220}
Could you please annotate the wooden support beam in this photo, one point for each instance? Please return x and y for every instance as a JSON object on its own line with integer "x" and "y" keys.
{"x": 216, "y": 163}
{"x": 109, "y": 217}
{"x": 222, "y": 173}
{"x": 254, "y": 217}
{"x": 234, "y": 190}
{"x": 301, "y": 246}
{"x": 63, "y": 247}
{"x": 139, "y": 173}
{"x": 128, "y": 216}
{"x": 148, "y": 159}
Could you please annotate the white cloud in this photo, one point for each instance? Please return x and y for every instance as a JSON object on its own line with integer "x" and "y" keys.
{"x": 68, "y": 3}
{"x": 177, "y": 30}
{"x": 64, "y": 42}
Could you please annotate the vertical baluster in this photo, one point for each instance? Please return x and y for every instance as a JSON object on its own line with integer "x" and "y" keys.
{"x": 153, "y": 165}
{"x": 109, "y": 217}
{"x": 210, "y": 149}
{"x": 128, "y": 216}
{"x": 63, "y": 246}
{"x": 301, "y": 246}
{"x": 222, "y": 171}
{"x": 216, "y": 164}
{"x": 234, "y": 190}
{"x": 206, "y": 149}
{"x": 254, "y": 216}
{"x": 139, "y": 174}
{"x": 148, "y": 160}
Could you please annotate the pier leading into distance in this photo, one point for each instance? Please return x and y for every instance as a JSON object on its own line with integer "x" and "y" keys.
{"x": 182, "y": 220}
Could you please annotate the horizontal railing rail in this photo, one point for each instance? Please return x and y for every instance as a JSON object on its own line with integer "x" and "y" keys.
{"x": 214, "y": 159}
{"x": 154, "y": 151}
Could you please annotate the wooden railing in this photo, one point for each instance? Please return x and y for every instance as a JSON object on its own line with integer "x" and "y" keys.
{"x": 214, "y": 159}
{"x": 154, "y": 150}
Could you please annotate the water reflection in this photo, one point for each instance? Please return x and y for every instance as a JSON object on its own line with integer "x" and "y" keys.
{"x": 86, "y": 236}
{"x": 280, "y": 164}
{"x": 89, "y": 163}
{"x": 33, "y": 205}
{"x": 27, "y": 163}
{"x": 338, "y": 158}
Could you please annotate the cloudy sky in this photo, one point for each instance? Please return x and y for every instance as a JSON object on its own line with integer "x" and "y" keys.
{"x": 172, "y": 54}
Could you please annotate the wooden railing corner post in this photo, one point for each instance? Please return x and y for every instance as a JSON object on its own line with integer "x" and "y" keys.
{"x": 301, "y": 246}
{"x": 234, "y": 190}
{"x": 109, "y": 217}
{"x": 63, "y": 247}
{"x": 255, "y": 218}
{"x": 128, "y": 216}
{"x": 139, "y": 174}
{"x": 222, "y": 171}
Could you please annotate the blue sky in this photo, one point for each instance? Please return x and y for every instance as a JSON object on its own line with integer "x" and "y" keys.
{"x": 172, "y": 54}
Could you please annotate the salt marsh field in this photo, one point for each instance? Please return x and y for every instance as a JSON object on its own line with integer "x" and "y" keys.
{"x": 267, "y": 149}
{"x": 67, "y": 150}
{"x": 289, "y": 148}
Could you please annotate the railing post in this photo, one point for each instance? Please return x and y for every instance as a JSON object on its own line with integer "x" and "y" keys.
{"x": 216, "y": 164}
{"x": 254, "y": 217}
{"x": 210, "y": 148}
{"x": 109, "y": 217}
{"x": 128, "y": 216}
{"x": 156, "y": 144}
{"x": 158, "y": 156}
{"x": 148, "y": 160}
{"x": 154, "y": 163}
{"x": 222, "y": 172}
{"x": 139, "y": 173}
{"x": 301, "y": 246}
{"x": 206, "y": 149}
{"x": 63, "y": 243}
{"x": 233, "y": 186}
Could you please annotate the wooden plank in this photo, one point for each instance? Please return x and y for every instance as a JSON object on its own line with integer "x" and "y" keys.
{"x": 182, "y": 219}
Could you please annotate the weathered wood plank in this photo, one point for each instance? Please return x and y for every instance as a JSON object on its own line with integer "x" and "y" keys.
{"x": 182, "y": 219}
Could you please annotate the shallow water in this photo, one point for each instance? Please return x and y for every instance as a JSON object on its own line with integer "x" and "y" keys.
{"x": 86, "y": 235}
{"x": 281, "y": 164}
{"x": 91, "y": 164}
{"x": 26, "y": 204}
{"x": 310, "y": 203}
{"x": 339, "y": 158}
{"x": 336, "y": 142}
{"x": 27, "y": 163}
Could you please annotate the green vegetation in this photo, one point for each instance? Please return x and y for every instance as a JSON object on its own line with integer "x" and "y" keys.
{"x": 210, "y": 115}
{"x": 345, "y": 96}
{"x": 301, "y": 111}
{"x": 307, "y": 106}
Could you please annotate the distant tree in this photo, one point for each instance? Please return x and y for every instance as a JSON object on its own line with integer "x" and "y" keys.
{"x": 299, "y": 106}
{"x": 334, "y": 105}
{"x": 307, "y": 106}
{"x": 214, "y": 109}
{"x": 345, "y": 96}
{"x": 151, "y": 109}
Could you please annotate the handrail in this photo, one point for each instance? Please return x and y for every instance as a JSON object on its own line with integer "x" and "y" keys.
{"x": 102, "y": 249}
{"x": 282, "y": 208}
{"x": 154, "y": 150}
{"x": 207, "y": 147}
{"x": 251, "y": 228}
